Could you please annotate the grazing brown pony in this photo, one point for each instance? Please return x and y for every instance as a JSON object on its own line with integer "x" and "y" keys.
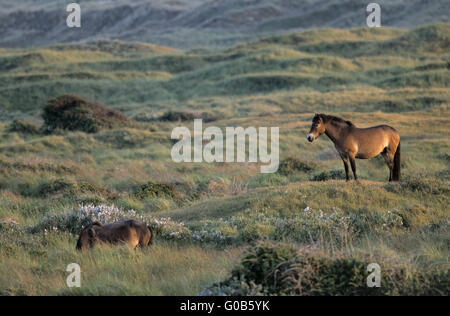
{"x": 363, "y": 143}
{"x": 131, "y": 233}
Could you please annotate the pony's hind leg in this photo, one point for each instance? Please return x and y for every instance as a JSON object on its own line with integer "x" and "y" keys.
{"x": 389, "y": 159}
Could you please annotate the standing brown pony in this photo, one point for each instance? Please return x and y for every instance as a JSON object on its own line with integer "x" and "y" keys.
{"x": 363, "y": 143}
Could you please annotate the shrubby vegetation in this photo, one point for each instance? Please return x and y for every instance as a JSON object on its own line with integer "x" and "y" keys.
{"x": 303, "y": 226}
{"x": 23, "y": 127}
{"x": 156, "y": 190}
{"x": 74, "y": 221}
{"x": 177, "y": 116}
{"x": 330, "y": 175}
{"x": 164, "y": 228}
{"x": 70, "y": 112}
{"x": 422, "y": 183}
{"x": 291, "y": 165}
{"x": 274, "y": 269}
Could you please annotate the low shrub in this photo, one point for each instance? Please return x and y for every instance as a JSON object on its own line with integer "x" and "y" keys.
{"x": 15, "y": 239}
{"x": 153, "y": 190}
{"x": 335, "y": 174}
{"x": 233, "y": 287}
{"x": 292, "y": 165}
{"x": 305, "y": 226}
{"x": 260, "y": 265}
{"x": 56, "y": 186}
{"x": 308, "y": 225}
{"x": 74, "y": 113}
{"x": 178, "y": 116}
{"x": 125, "y": 138}
{"x": 9, "y": 225}
{"x": 420, "y": 182}
{"x": 276, "y": 269}
{"x": 268, "y": 179}
{"x": 165, "y": 228}
{"x": 75, "y": 220}
{"x": 63, "y": 186}
{"x": 172, "y": 116}
{"x": 23, "y": 127}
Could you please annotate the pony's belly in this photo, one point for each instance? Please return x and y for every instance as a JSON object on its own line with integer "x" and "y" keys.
{"x": 367, "y": 154}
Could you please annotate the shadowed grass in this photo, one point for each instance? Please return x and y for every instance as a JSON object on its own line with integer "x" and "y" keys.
{"x": 164, "y": 269}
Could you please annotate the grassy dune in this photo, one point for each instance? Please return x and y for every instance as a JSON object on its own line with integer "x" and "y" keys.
{"x": 297, "y": 73}
{"x": 382, "y": 76}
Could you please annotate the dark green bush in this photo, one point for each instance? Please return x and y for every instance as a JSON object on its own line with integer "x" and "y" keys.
{"x": 312, "y": 274}
{"x": 23, "y": 127}
{"x": 66, "y": 187}
{"x": 233, "y": 287}
{"x": 420, "y": 183}
{"x": 257, "y": 272}
{"x": 445, "y": 157}
{"x": 276, "y": 269}
{"x": 87, "y": 187}
{"x": 260, "y": 265}
{"x": 155, "y": 190}
{"x": 318, "y": 276}
{"x": 178, "y": 116}
{"x": 70, "y": 112}
{"x": 329, "y": 175}
{"x": 292, "y": 165}
{"x": 55, "y": 187}
{"x": 172, "y": 116}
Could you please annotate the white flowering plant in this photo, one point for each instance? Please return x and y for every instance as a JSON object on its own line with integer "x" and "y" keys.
{"x": 253, "y": 224}
{"x": 75, "y": 220}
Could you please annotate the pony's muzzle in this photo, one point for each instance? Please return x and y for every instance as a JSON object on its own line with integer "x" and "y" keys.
{"x": 310, "y": 137}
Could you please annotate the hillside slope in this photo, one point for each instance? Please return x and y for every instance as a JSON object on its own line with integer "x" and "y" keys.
{"x": 187, "y": 24}
{"x": 360, "y": 69}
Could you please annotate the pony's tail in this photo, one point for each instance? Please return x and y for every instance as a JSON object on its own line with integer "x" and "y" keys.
{"x": 150, "y": 242}
{"x": 397, "y": 164}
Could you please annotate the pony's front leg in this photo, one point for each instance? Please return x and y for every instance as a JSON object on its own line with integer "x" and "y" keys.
{"x": 353, "y": 164}
{"x": 345, "y": 160}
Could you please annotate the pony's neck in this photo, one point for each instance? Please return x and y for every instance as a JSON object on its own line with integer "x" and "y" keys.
{"x": 332, "y": 131}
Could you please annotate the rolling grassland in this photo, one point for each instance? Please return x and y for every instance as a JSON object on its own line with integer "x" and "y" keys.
{"x": 302, "y": 220}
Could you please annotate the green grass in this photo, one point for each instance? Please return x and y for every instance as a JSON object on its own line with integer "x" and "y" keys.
{"x": 165, "y": 269}
{"x": 281, "y": 81}
{"x": 137, "y": 77}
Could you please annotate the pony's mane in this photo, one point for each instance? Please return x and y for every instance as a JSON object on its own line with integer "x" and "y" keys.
{"x": 327, "y": 118}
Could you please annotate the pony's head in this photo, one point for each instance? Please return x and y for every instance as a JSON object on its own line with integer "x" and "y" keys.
{"x": 88, "y": 236}
{"x": 317, "y": 128}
